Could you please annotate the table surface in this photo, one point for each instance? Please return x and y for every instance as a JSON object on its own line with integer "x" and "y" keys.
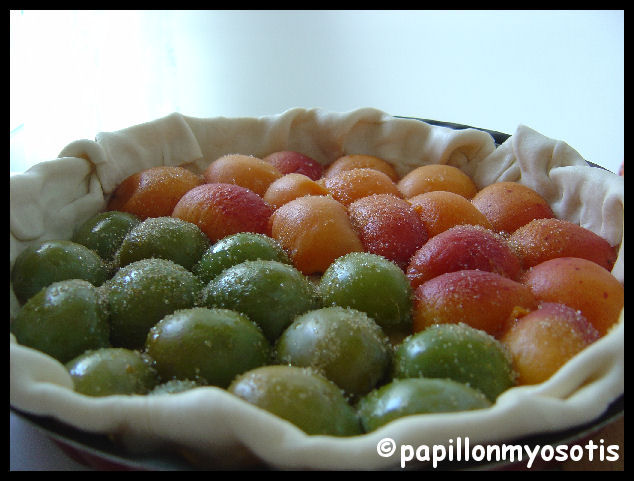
{"x": 560, "y": 73}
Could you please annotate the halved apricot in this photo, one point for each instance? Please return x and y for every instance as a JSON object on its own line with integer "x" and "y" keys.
{"x": 223, "y": 209}
{"x": 428, "y": 178}
{"x": 510, "y": 205}
{"x": 314, "y": 230}
{"x": 244, "y": 170}
{"x": 153, "y": 192}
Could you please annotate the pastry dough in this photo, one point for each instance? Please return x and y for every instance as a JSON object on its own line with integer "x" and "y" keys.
{"x": 54, "y": 196}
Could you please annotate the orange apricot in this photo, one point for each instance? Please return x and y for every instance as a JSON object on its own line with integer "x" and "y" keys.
{"x": 428, "y": 178}
{"x": 544, "y": 239}
{"x": 244, "y": 170}
{"x": 388, "y": 226}
{"x": 360, "y": 161}
{"x": 220, "y": 210}
{"x": 350, "y": 185}
{"x": 483, "y": 300}
{"x": 314, "y": 230}
{"x": 510, "y": 205}
{"x": 580, "y": 284}
{"x": 153, "y": 192}
{"x": 463, "y": 247}
{"x": 440, "y": 209}
{"x": 291, "y": 186}
{"x": 291, "y": 162}
{"x": 545, "y": 339}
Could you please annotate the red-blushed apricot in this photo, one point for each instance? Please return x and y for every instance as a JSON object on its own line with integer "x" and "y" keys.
{"x": 314, "y": 230}
{"x": 510, "y": 205}
{"x": 351, "y": 185}
{"x": 483, "y": 300}
{"x": 291, "y": 186}
{"x": 153, "y": 192}
{"x": 544, "y": 239}
{"x": 440, "y": 209}
{"x": 360, "y": 161}
{"x": 428, "y": 178}
{"x": 580, "y": 284}
{"x": 545, "y": 339}
{"x": 463, "y": 247}
{"x": 291, "y": 162}
{"x": 244, "y": 170}
{"x": 388, "y": 226}
{"x": 220, "y": 210}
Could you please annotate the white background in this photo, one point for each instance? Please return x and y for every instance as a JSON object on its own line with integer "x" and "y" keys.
{"x": 73, "y": 74}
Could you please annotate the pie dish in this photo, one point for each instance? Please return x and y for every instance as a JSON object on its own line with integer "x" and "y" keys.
{"x": 212, "y": 427}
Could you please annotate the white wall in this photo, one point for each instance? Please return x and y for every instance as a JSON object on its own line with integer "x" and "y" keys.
{"x": 559, "y": 72}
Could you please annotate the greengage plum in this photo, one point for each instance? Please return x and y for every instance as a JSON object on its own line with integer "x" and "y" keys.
{"x": 440, "y": 210}
{"x": 344, "y": 344}
{"x": 459, "y": 352}
{"x": 142, "y": 293}
{"x": 110, "y": 371}
{"x": 220, "y": 210}
{"x": 428, "y": 178}
{"x": 361, "y": 161}
{"x": 63, "y": 320}
{"x": 406, "y": 397}
{"x": 371, "y": 284}
{"x": 270, "y": 293}
{"x": 291, "y": 162}
{"x": 388, "y": 226}
{"x": 350, "y": 185}
{"x": 545, "y": 339}
{"x": 314, "y": 231}
{"x": 104, "y": 232}
{"x": 41, "y": 264}
{"x": 581, "y": 284}
{"x": 480, "y": 299}
{"x": 153, "y": 192}
{"x": 209, "y": 346}
{"x": 164, "y": 237}
{"x": 301, "y": 396}
{"x": 245, "y": 170}
{"x": 289, "y": 187}
{"x": 235, "y": 249}
{"x": 510, "y": 205}
{"x": 544, "y": 239}
{"x": 463, "y": 247}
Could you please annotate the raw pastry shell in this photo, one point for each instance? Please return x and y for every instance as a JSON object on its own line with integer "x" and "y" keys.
{"x": 54, "y": 196}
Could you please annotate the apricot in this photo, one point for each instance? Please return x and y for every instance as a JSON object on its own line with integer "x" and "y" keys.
{"x": 440, "y": 209}
{"x": 580, "y": 284}
{"x": 350, "y": 185}
{"x": 480, "y": 299}
{"x": 360, "y": 161}
{"x": 220, "y": 210}
{"x": 291, "y": 162}
{"x": 314, "y": 230}
{"x": 545, "y": 339}
{"x": 428, "y": 178}
{"x": 463, "y": 247}
{"x": 388, "y": 226}
{"x": 510, "y": 205}
{"x": 244, "y": 170}
{"x": 153, "y": 192}
{"x": 544, "y": 239}
{"x": 291, "y": 186}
